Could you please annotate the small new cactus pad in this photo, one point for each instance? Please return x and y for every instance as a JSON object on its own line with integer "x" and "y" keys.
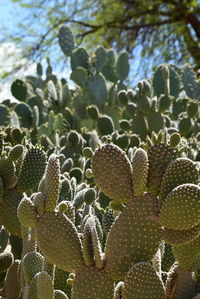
{"x": 59, "y": 241}
{"x": 133, "y": 237}
{"x": 52, "y": 182}
{"x": 112, "y": 172}
{"x": 32, "y": 263}
{"x": 32, "y": 170}
{"x": 188, "y": 255}
{"x": 181, "y": 237}
{"x": 142, "y": 281}
{"x": 26, "y": 213}
{"x": 180, "y": 171}
{"x": 60, "y": 295}
{"x": 160, "y": 155}
{"x": 44, "y": 286}
{"x": 181, "y": 208}
{"x": 90, "y": 283}
{"x": 140, "y": 171}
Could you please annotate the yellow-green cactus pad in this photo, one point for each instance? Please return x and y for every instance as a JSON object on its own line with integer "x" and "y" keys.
{"x": 26, "y": 213}
{"x": 143, "y": 282}
{"x": 181, "y": 208}
{"x": 113, "y": 172}
{"x": 59, "y": 241}
{"x": 6, "y": 260}
{"x": 160, "y": 156}
{"x": 134, "y": 236}
{"x": 180, "y": 171}
{"x": 32, "y": 263}
{"x": 44, "y": 286}
{"x": 188, "y": 255}
{"x": 32, "y": 170}
{"x": 52, "y": 182}
{"x": 90, "y": 283}
{"x": 8, "y": 212}
{"x": 180, "y": 237}
{"x": 140, "y": 166}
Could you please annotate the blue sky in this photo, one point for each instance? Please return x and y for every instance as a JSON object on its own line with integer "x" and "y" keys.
{"x": 9, "y": 12}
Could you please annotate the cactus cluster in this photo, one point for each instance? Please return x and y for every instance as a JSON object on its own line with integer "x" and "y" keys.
{"x": 100, "y": 183}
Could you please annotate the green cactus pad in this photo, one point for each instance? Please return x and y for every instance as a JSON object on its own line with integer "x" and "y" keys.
{"x": 4, "y": 237}
{"x": 105, "y": 125}
{"x": 52, "y": 182}
{"x": 59, "y": 241}
{"x": 179, "y": 171}
{"x": 19, "y": 90}
{"x": 26, "y": 213}
{"x": 24, "y": 112}
{"x": 32, "y": 263}
{"x": 133, "y": 237}
{"x": 140, "y": 171}
{"x": 180, "y": 283}
{"x": 92, "y": 251}
{"x": 181, "y": 237}
{"x": 167, "y": 258}
{"x": 16, "y": 152}
{"x": 112, "y": 172}
{"x": 188, "y": 255}
{"x": 12, "y": 286}
{"x": 142, "y": 281}
{"x": 44, "y": 286}
{"x": 181, "y": 208}
{"x": 6, "y": 260}
{"x": 33, "y": 289}
{"x": 32, "y": 170}
{"x": 7, "y": 173}
{"x": 8, "y": 212}
{"x": 160, "y": 155}
{"x": 66, "y": 40}
{"x": 39, "y": 200}
{"x": 90, "y": 283}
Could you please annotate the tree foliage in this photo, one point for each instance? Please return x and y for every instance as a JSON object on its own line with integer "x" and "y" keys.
{"x": 164, "y": 30}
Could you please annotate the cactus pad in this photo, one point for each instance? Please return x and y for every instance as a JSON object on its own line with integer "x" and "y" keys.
{"x": 142, "y": 281}
{"x": 112, "y": 172}
{"x": 59, "y": 241}
{"x": 180, "y": 171}
{"x": 91, "y": 283}
{"x": 133, "y": 237}
{"x": 181, "y": 209}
